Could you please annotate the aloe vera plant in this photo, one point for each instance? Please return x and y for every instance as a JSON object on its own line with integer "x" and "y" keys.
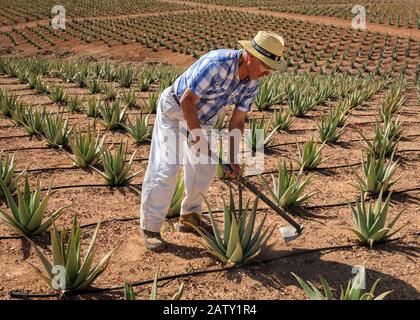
{"x": 287, "y": 188}
{"x": 300, "y": 103}
{"x": 152, "y": 102}
{"x": 81, "y": 77}
{"x": 259, "y": 135}
{"x": 130, "y": 99}
{"x": 34, "y": 120}
{"x": 86, "y": 149}
{"x": 220, "y": 173}
{"x": 116, "y": 172}
{"x": 113, "y": 116}
{"x": 353, "y": 290}
{"x": 94, "y": 85}
{"x": 340, "y": 113}
{"x": 18, "y": 114}
{"x": 73, "y": 104}
{"x": 238, "y": 243}
{"x": 39, "y": 85}
{"x": 385, "y": 142}
{"x": 93, "y": 108}
{"x": 267, "y": 96}
{"x": 58, "y": 95}
{"x": 109, "y": 91}
{"x": 129, "y": 293}
{"x": 393, "y": 100}
{"x": 393, "y": 128}
{"x": 56, "y": 130}
{"x": 310, "y": 156}
{"x": 328, "y": 129}
{"x": 8, "y": 103}
{"x": 282, "y": 119}
{"x": 377, "y": 175}
{"x": 67, "y": 254}
{"x": 7, "y": 173}
{"x": 140, "y": 131}
{"x": 369, "y": 223}
{"x": 144, "y": 84}
{"x": 174, "y": 209}
{"x": 126, "y": 75}
{"x": 28, "y": 213}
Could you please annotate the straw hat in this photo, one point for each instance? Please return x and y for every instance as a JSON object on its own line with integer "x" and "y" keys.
{"x": 268, "y": 47}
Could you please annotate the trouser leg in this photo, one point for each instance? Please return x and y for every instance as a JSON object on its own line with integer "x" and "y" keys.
{"x": 160, "y": 178}
{"x": 197, "y": 179}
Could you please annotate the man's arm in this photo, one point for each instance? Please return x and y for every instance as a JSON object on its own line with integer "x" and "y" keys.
{"x": 188, "y": 103}
{"x": 236, "y": 128}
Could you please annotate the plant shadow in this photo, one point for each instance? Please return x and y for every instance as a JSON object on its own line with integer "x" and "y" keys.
{"x": 277, "y": 274}
{"x": 42, "y": 241}
{"x": 405, "y": 198}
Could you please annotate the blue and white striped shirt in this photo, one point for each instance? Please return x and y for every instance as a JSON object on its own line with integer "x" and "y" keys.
{"x": 214, "y": 78}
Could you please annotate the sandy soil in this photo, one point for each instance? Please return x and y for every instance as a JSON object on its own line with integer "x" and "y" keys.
{"x": 396, "y": 263}
{"x": 325, "y": 222}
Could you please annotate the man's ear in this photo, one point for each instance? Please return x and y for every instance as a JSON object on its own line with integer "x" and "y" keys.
{"x": 251, "y": 57}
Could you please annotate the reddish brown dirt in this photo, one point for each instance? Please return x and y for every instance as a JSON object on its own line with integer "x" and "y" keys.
{"x": 373, "y": 27}
{"x": 396, "y": 263}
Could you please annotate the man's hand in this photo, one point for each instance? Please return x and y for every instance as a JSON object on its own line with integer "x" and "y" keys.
{"x": 199, "y": 142}
{"x": 234, "y": 171}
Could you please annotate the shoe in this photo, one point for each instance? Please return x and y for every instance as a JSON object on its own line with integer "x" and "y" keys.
{"x": 152, "y": 240}
{"x": 186, "y": 222}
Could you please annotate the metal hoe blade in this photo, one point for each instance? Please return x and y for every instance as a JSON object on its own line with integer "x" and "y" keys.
{"x": 289, "y": 233}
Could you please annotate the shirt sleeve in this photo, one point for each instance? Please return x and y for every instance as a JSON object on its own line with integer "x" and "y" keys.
{"x": 201, "y": 78}
{"x": 244, "y": 102}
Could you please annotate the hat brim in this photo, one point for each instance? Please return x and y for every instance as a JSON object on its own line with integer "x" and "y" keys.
{"x": 277, "y": 66}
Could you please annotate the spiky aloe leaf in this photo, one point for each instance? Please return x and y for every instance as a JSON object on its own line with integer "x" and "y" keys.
{"x": 86, "y": 149}
{"x": 240, "y": 243}
{"x": 310, "y": 156}
{"x": 93, "y": 108}
{"x": 58, "y": 95}
{"x": 7, "y": 173}
{"x": 34, "y": 121}
{"x": 116, "y": 171}
{"x": 152, "y": 102}
{"x": 259, "y": 134}
{"x": 28, "y": 214}
{"x": 287, "y": 188}
{"x": 377, "y": 174}
{"x": 267, "y": 96}
{"x": 129, "y": 293}
{"x": 312, "y": 292}
{"x": 282, "y": 119}
{"x": 369, "y": 223}
{"x": 328, "y": 129}
{"x": 140, "y": 131}
{"x": 353, "y": 291}
{"x": 175, "y": 204}
{"x": 130, "y": 99}
{"x": 113, "y": 116}
{"x": 56, "y": 130}
{"x": 68, "y": 256}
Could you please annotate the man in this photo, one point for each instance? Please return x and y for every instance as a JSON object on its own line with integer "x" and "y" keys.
{"x": 218, "y": 79}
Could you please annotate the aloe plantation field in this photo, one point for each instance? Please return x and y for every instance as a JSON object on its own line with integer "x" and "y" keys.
{"x": 341, "y": 152}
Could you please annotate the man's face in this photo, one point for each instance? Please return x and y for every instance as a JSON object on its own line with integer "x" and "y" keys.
{"x": 257, "y": 68}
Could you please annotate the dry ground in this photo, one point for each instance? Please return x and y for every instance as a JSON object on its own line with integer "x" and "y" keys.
{"x": 396, "y": 263}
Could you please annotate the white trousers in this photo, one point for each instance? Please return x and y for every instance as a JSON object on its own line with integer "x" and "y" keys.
{"x": 164, "y": 164}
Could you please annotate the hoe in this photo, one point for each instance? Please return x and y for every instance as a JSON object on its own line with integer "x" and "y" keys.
{"x": 289, "y": 233}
